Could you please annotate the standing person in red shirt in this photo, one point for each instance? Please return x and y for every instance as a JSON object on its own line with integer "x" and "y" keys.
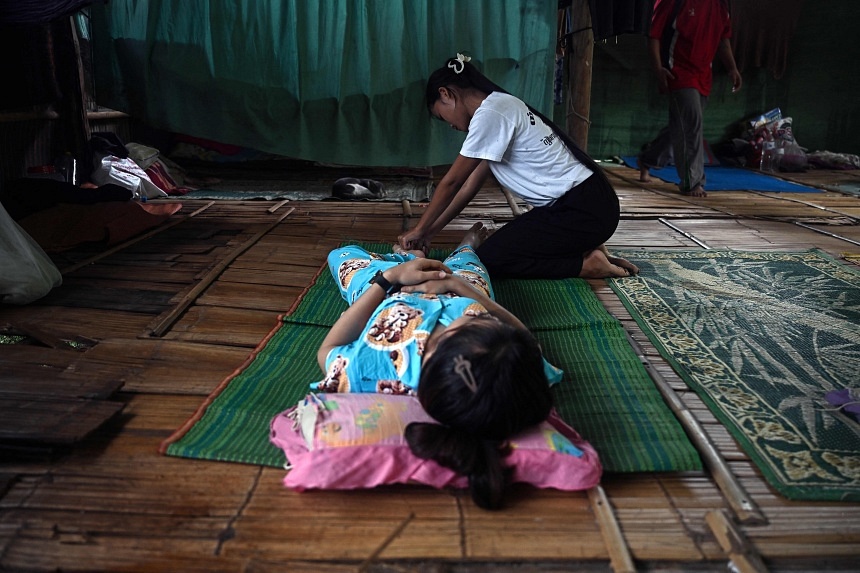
{"x": 685, "y": 37}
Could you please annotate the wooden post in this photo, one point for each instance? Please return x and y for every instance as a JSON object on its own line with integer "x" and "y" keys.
{"x": 76, "y": 106}
{"x": 579, "y": 73}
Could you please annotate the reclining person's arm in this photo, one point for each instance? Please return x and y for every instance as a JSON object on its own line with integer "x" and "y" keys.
{"x": 351, "y": 323}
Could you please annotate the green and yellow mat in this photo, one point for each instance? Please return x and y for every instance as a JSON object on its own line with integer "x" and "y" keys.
{"x": 606, "y": 394}
{"x": 762, "y": 337}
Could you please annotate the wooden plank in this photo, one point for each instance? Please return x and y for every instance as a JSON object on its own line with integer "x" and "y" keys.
{"x": 173, "y": 367}
{"x": 161, "y": 228}
{"x": 742, "y": 554}
{"x": 52, "y": 421}
{"x": 24, "y": 384}
{"x": 87, "y": 322}
{"x": 250, "y": 296}
{"x": 619, "y": 554}
{"x": 224, "y": 326}
{"x": 164, "y": 322}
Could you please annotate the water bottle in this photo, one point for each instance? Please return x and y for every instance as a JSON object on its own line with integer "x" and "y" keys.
{"x": 66, "y": 166}
{"x": 768, "y": 148}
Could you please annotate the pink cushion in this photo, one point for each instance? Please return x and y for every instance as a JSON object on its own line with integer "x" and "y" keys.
{"x": 351, "y": 441}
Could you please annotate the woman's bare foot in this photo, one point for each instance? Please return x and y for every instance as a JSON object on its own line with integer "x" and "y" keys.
{"x": 644, "y": 175}
{"x": 598, "y": 265}
{"x": 398, "y": 250}
{"x": 475, "y": 236}
{"x": 697, "y": 191}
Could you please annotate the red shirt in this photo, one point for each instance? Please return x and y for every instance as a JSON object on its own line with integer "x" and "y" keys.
{"x": 688, "y": 45}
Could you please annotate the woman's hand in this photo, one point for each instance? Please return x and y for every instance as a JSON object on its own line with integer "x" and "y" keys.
{"x": 414, "y": 240}
{"x": 443, "y": 284}
{"x": 416, "y": 271}
{"x": 461, "y": 287}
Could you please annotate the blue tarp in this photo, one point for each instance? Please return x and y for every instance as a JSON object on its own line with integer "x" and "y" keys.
{"x": 719, "y": 178}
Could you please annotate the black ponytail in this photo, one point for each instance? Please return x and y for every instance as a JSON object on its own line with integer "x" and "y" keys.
{"x": 481, "y": 461}
{"x": 470, "y": 77}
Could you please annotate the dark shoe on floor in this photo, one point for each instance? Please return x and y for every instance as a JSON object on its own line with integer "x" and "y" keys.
{"x": 352, "y": 189}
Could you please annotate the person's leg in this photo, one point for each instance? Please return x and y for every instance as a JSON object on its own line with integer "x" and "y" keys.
{"x": 656, "y": 154}
{"x": 352, "y": 267}
{"x": 464, "y": 261}
{"x": 685, "y": 121}
{"x": 550, "y": 242}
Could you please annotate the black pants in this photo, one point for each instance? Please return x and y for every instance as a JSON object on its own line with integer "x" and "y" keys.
{"x": 549, "y": 242}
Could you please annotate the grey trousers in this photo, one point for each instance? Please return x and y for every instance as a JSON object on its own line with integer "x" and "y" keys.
{"x": 681, "y": 140}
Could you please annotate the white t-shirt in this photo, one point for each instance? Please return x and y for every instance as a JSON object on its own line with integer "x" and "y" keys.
{"x": 523, "y": 153}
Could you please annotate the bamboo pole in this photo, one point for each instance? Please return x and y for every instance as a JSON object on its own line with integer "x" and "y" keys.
{"x": 164, "y": 322}
{"x": 742, "y": 504}
{"x": 134, "y": 240}
{"x": 512, "y": 203}
{"x": 619, "y": 554}
{"x": 743, "y": 555}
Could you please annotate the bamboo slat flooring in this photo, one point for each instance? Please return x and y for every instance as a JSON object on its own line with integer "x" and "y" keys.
{"x": 111, "y": 502}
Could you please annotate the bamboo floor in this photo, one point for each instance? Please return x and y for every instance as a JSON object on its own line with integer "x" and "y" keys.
{"x": 159, "y": 321}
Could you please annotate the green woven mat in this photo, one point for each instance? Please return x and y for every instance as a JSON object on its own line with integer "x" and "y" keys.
{"x": 762, "y": 337}
{"x": 606, "y": 394}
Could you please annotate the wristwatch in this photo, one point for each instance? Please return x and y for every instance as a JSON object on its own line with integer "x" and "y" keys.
{"x": 389, "y": 288}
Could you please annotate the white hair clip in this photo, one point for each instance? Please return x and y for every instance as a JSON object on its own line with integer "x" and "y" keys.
{"x": 459, "y": 64}
{"x": 463, "y": 368}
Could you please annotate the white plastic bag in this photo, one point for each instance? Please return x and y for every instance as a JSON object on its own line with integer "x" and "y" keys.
{"x": 125, "y": 173}
{"x": 26, "y": 272}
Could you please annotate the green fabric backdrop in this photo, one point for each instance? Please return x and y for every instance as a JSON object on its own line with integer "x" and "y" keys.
{"x": 337, "y": 81}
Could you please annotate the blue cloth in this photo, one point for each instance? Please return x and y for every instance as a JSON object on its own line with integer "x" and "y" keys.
{"x": 387, "y": 355}
{"x": 719, "y": 178}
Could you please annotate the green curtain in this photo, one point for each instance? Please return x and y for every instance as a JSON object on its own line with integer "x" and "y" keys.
{"x": 338, "y": 81}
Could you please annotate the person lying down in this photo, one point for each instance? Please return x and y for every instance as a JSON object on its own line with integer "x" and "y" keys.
{"x": 420, "y": 326}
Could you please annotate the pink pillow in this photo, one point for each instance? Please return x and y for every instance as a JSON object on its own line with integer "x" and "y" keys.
{"x": 351, "y": 441}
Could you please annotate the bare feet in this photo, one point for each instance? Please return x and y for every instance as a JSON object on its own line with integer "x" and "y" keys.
{"x": 624, "y": 264}
{"x": 475, "y": 236}
{"x": 697, "y": 191}
{"x": 644, "y": 175}
{"x": 598, "y": 264}
{"x": 398, "y": 250}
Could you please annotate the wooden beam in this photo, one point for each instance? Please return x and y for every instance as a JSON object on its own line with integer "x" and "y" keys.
{"x": 133, "y": 240}
{"x": 579, "y": 73}
{"x": 743, "y": 555}
{"x": 512, "y": 203}
{"x": 742, "y": 504}
{"x": 77, "y": 109}
{"x": 619, "y": 554}
{"x": 165, "y": 321}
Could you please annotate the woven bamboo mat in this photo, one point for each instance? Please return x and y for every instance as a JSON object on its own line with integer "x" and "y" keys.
{"x": 607, "y": 394}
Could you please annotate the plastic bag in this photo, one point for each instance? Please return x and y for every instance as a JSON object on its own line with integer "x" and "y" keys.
{"x": 791, "y": 157}
{"x": 125, "y": 173}
{"x": 27, "y": 272}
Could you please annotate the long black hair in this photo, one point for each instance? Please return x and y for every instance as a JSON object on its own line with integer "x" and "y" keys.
{"x": 470, "y": 77}
{"x": 483, "y": 384}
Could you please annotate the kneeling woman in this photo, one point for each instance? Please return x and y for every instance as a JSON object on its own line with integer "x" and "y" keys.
{"x": 575, "y": 210}
{"x": 417, "y": 325}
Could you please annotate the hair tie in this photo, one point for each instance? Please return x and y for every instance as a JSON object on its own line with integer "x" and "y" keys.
{"x": 464, "y": 369}
{"x": 458, "y": 64}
